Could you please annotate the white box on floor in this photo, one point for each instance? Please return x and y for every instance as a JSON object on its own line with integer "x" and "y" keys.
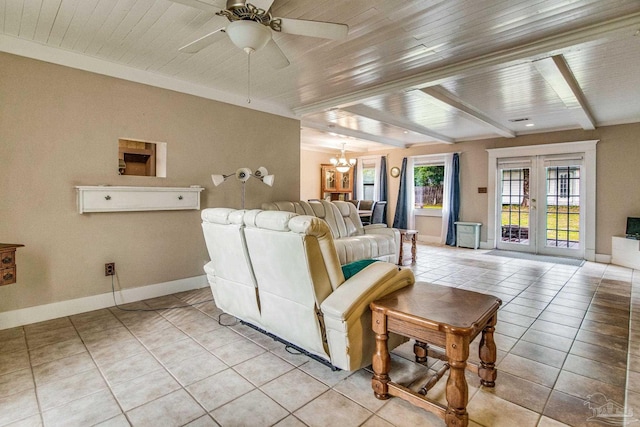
{"x": 468, "y": 234}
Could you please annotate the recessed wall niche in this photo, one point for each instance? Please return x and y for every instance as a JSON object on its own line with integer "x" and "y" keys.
{"x": 142, "y": 158}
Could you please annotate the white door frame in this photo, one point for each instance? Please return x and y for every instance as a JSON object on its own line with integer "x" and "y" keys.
{"x": 589, "y": 199}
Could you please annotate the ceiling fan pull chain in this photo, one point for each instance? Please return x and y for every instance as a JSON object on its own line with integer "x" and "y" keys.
{"x": 249, "y": 78}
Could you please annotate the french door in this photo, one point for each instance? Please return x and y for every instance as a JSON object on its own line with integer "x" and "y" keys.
{"x": 539, "y": 205}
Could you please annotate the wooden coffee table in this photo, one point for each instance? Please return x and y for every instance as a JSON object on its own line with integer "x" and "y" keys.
{"x": 446, "y": 317}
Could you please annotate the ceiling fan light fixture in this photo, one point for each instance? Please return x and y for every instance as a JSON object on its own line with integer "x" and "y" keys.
{"x": 249, "y": 36}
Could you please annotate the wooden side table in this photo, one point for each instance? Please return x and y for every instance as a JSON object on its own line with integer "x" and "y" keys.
{"x": 412, "y": 236}
{"x": 445, "y": 317}
{"x": 8, "y": 263}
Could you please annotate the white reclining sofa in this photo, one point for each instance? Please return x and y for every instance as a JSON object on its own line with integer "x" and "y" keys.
{"x": 279, "y": 271}
{"x": 353, "y": 240}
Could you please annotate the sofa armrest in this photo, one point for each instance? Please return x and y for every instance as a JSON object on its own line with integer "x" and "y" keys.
{"x": 353, "y": 297}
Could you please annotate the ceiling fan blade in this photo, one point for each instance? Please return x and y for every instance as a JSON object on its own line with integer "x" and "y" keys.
{"x": 261, "y": 4}
{"x": 325, "y": 30}
{"x": 276, "y": 56}
{"x": 204, "y": 41}
{"x": 197, "y": 4}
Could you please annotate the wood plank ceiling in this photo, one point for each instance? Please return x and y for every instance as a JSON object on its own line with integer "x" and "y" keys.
{"x": 410, "y": 72}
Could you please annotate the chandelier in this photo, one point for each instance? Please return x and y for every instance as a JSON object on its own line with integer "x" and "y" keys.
{"x": 341, "y": 163}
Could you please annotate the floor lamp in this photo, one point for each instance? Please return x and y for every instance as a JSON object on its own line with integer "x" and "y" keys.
{"x": 243, "y": 175}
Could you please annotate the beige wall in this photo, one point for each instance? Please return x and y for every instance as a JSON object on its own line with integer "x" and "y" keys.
{"x": 618, "y": 175}
{"x": 310, "y": 162}
{"x": 59, "y": 127}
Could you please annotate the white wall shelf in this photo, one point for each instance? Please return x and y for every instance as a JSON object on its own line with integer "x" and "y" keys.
{"x": 104, "y": 198}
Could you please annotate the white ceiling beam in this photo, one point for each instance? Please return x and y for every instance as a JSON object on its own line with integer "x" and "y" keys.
{"x": 522, "y": 53}
{"x": 558, "y": 75}
{"x": 468, "y": 111}
{"x": 340, "y": 130}
{"x": 373, "y": 114}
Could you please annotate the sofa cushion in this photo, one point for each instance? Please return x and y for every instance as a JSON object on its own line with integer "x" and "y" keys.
{"x": 353, "y": 268}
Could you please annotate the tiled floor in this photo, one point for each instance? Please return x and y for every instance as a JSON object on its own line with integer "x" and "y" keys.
{"x": 566, "y": 347}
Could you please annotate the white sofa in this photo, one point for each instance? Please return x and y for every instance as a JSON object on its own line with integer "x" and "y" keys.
{"x": 280, "y": 272}
{"x": 353, "y": 240}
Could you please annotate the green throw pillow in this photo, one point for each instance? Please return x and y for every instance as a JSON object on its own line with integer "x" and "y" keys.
{"x": 353, "y": 268}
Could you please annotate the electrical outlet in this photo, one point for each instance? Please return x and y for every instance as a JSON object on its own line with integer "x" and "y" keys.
{"x": 110, "y": 269}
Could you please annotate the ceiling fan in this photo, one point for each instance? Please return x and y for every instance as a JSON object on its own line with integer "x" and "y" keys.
{"x": 249, "y": 25}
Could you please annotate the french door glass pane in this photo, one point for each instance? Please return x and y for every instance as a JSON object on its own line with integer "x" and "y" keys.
{"x": 515, "y": 206}
{"x": 563, "y": 207}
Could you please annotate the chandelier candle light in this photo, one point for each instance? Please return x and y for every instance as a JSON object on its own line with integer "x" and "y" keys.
{"x": 341, "y": 163}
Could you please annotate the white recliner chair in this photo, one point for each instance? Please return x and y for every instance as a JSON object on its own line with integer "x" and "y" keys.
{"x": 302, "y": 294}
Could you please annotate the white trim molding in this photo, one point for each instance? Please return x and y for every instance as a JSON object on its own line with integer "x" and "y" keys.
{"x": 586, "y": 147}
{"x": 40, "y": 313}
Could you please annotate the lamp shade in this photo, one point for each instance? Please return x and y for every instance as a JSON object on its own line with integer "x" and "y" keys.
{"x": 269, "y": 180}
{"x": 217, "y": 179}
{"x": 248, "y": 35}
{"x": 243, "y": 174}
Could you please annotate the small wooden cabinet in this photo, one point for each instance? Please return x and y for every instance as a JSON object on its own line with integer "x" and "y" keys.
{"x": 8, "y": 263}
{"x": 336, "y": 185}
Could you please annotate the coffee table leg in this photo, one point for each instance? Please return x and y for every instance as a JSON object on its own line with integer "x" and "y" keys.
{"x": 420, "y": 349}
{"x": 487, "y": 370}
{"x": 457, "y": 391}
{"x": 381, "y": 358}
{"x": 414, "y": 256}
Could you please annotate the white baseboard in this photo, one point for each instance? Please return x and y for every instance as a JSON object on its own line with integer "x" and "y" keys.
{"x": 40, "y": 313}
{"x": 602, "y": 258}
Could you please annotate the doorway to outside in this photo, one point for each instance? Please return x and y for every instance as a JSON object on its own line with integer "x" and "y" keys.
{"x": 540, "y": 205}
{"x": 544, "y": 202}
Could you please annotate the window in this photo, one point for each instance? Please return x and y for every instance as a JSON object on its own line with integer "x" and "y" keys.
{"x": 428, "y": 186}
{"x": 368, "y": 180}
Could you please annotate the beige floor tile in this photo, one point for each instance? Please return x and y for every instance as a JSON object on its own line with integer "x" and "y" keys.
{"x": 89, "y": 410}
{"x": 12, "y": 345}
{"x": 401, "y": 413}
{"x": 216, "y": 338}
{"x": 14, "y": 361}
{"x": 218, "y": 389}
{"x": 568, "y": 409}
{"x": 376, "y": 421}
{"x": 62, "y": 368}
{"x": 294, "y": 389}
{"x": 160, "y": 337}
{"x": 203, "y": 421}
{"x": 581, "y": 387}
{"x": 489, "y": 410}
{"x": 46, "y": 326}
{"x": 237, "y": 351}
{"x": 144, "y": 389}
{"x": 323, "y": 373}
{"x": 117, "y": 421}
{"x": 91, "y": 316}
{"x": 263, "y": 368}
{"x": 175, "y": 352}
{"x": 550, "y": 422}
{"x": 15, "y": 382}
{"x": 107, "y": 322}
{"x": 520, "y": 391}
{"x": 65, "y": 390}
{"x": 598, "y": 370}
{"x": 129, "y": 368}
{"x": 344, "y": 412}
{"x": 357, "y": 387}
{"x": 290, "y": 421}
{"x": 529, "y": 370}
{"x": 175, "y": 409}
{"x": 539, "y": 353}
{"x": 17, "y": 406}
{"x": 32, "y": 421}
{"x": 113, "y": 352}
{"x": 207, "y": 365}
{"x": 11, "y": 333}
{"x": 249, "y": 410}
{"x": 46, "y": 337}
{"x": 56, "y": 351}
